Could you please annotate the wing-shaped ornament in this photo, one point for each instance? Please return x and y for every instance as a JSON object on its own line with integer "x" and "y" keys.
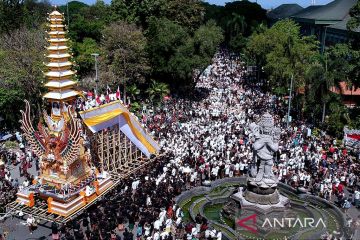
{"x": 32, "y": 137}
{"x": 71, "y": 151}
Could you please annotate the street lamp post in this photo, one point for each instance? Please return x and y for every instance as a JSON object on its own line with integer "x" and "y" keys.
{"x": 289, "y": 107}
{"x": 96, "y": 69}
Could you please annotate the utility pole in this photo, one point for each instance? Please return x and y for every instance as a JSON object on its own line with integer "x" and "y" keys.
{"x": 68, "y": 18}
{"x": 289, "y": 107}
{"x": 96, "y": 69}
{"x": 124, "y": 81}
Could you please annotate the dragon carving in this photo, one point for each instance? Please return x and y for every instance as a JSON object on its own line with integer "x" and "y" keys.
{"x": 59, "y": 142}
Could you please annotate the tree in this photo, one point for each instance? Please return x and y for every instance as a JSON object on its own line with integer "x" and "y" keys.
{"x": 84, "y": 59}
{"x": 354, "y": 21}
{"x": 353, "y": 56}
{"x": 98, "y": 12}
{"x": 74, "y": 7}
{"x": 337, "y": 118}
{"x": 212, "y": 12}
{"x": 238, "y": 43}
{"x": 251, "y": 14}
{"x": 81, "y": 28}
{"x": 320, "y": 80}
{"x": 86, "y": 21}
{"x": 133, "y": 91}
{"x": 125, "y": 57}
{"x": 206, "y": 40}
{"x": 289, "y": 55}
{"x": 175, "y": 55}
{"x": 157, "y": 90}
{"x": 164, "y": 39}
{"x": 35, "y": 12}
{"x": 250, "y": 10}
{"x": 187, "y": 13}
{"x": 344, "y": 61}
{"x": 236, "y": 25}
{"x": 11, "y": 15}
{"x": 257, "y": 48}
{"x": 21, "y": 76}
{"x": 137, "y": 12}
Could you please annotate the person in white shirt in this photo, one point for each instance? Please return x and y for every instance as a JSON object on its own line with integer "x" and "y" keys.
{"x": 219, "y": 236}
{"x": 148, "y": 201}
{"x": 168, "y": 223}
{"x": 164, "y": 235}
{"x": 26, "y": 183}
{"x": 357, "y": 198}
{"x": 162, "y": 216}
{"x": 213, "y": 233}
{"x": 147, "y": 229}
{"x": 207, "y": 233}
{"x": 157, "y": 224}
{"x": 178, "y": 221}
{"x": 30, "y": 221}
{"x": 156, "y": 235}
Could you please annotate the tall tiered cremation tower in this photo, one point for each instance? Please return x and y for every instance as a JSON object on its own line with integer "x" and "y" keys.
{"x": 66, "y": 181}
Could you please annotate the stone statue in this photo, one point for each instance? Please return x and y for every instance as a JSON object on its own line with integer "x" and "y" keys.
{"x": 261, "y": 182}
{"x": 265, "y": 137}
{"x": 260, "y": 196}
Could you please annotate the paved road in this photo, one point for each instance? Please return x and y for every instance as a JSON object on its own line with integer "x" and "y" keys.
{"x": 15, "y": 227}
{"x": 17, "y": 230}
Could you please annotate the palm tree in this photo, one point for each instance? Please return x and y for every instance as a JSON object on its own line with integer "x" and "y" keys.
{"x": 321, "y": 80}
{"x": 133, "y": 91}
{"x": 236, "y": 25}
{"x": 157, "y": 90}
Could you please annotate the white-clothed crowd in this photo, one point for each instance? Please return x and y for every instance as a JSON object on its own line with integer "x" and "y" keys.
{"x": 206, "y": 137}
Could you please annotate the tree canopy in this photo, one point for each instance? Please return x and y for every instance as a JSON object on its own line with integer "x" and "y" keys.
{"x": 17, "y": 13}
{"x": 21, "y": 77}
{"x": 175, "y": 54}
{"x": 283, "y": 52}
{"x": 125, "y": 58}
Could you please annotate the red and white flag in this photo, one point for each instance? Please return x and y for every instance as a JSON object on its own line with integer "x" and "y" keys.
{"x": 144, "y": 118}
{"x": 97, "y": 98}
{"x": 118, "y": 93}
{"x": 108, "y": 91}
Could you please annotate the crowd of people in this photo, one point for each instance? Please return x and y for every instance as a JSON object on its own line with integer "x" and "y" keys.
{"x": 10, "y": 159}
{"x": 91, "y": 100}
{"x": 204, "y": 138}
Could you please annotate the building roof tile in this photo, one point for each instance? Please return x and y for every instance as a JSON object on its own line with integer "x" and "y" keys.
{"x": 334, "y": 11}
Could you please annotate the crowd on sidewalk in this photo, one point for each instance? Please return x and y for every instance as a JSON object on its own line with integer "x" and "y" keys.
{"x": 206, "y": 137}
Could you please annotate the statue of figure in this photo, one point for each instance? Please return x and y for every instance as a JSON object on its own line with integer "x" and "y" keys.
{"x": 265, "y": 137}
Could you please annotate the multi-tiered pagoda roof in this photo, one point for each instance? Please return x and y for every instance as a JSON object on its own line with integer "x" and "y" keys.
{"x": 60, "y": 75}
